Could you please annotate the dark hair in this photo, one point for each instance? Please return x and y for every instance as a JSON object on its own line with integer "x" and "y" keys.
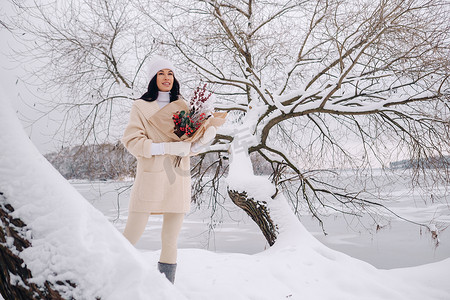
{"x": 152, "y": 90}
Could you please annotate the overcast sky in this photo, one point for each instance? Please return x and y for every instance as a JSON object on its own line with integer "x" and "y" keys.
{"x": 22, "y": 96}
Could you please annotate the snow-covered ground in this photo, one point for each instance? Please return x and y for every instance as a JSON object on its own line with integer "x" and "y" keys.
{"x": 73, "y": 240}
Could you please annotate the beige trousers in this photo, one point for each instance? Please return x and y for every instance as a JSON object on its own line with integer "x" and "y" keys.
{"x": 171, "y": 227}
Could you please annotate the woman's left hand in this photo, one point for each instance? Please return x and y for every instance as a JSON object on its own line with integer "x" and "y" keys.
{"x": 205, "y": 140}
{"x": 208, "y": 135}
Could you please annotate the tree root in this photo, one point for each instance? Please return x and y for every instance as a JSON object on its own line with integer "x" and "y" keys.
{"x": 14, "y": 274}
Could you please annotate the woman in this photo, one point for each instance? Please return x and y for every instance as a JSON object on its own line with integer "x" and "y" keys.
{"x": 161, "y": 185}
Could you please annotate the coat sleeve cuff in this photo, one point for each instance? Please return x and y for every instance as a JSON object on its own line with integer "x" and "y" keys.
{"x": 147, "y": 148}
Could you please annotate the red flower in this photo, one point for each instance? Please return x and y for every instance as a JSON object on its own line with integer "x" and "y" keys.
{"x": 188, "y": 122}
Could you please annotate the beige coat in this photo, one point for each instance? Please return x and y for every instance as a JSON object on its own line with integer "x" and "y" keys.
{"x": 160, "y": 186}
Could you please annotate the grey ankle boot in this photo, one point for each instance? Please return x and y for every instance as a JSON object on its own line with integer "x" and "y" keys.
{"x": 168, "y": 270}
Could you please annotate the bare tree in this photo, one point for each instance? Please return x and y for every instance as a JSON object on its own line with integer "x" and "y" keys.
{"x": 87, "y": 55}
{"x": 310, "y": 86}
{"x": 321, "y": 84}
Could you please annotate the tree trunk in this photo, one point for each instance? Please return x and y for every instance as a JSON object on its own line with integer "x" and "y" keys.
{"x": 258, "y": 211}
{"x": 14, "y": 274}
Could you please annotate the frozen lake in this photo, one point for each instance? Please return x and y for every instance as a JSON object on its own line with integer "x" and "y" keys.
{"x": 397, "y": 244}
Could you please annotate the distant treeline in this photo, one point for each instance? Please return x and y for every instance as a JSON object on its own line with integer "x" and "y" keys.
{"x": 429, "y": 163}
{"x": 94, "y": 162}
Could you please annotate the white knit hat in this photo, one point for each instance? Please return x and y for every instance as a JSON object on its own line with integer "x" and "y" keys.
{"x": 158, "y": 63}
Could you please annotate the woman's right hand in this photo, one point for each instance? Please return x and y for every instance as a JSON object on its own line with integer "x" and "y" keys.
{"x": 177, "y": 148}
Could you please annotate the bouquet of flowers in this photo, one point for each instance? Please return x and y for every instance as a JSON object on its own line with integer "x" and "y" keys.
{"x": 187, "y": 122}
